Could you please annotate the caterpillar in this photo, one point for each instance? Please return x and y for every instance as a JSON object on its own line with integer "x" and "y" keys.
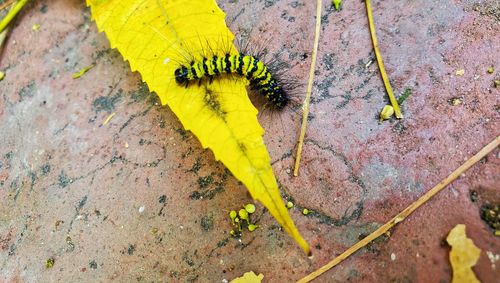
{"x": 261, "y": 79}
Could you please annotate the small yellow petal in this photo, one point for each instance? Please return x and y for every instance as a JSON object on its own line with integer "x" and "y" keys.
{"x": 386, "y": 112}
{"x": 81, "y": 72}
{"x": 108, "y": 118}
{"x": 456, "y": 101}
{"x": 248, "y": 277}
{"x": 232, "y": 214}
{"x": 250, "y": 208}
{"x": 252, "y": 227}
{"x": 243, "y": 214}
{"x": 336, "y": 4}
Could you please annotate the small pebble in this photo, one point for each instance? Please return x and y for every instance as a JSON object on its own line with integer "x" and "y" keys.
{"x": 141, "y": 209}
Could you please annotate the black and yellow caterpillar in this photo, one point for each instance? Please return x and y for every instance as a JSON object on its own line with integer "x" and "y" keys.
{"x": 252, "y": 68}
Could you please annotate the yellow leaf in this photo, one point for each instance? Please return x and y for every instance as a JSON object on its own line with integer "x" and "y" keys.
{"x": 463, "y": 255}
{"x": 156, "y": 37}
{"x": 249, "y": 277}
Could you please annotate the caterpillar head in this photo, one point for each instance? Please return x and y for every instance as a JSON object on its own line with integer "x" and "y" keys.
{"x": 181, "y": 75}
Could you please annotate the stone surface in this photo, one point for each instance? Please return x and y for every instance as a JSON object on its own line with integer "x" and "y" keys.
{"x": 138, "y": 199}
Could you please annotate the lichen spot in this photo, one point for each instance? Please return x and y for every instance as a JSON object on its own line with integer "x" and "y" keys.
{"x": 211, "y": 100}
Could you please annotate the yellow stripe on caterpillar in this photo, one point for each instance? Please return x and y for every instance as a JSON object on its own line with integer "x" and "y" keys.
{"x": 244, "y": 65}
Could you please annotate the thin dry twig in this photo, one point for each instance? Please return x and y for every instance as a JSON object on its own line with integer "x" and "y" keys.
{"x": 6, "y": 4}
{"x": 14, "y": 10}
{"x": 380, "y": 62}
{"x": 3, "y": 34}
{"x": 305, "y": 113}
{"x": 406, "y": 212}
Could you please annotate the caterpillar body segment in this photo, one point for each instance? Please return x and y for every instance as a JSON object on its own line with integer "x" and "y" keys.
{"x": 254, "y": 70}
